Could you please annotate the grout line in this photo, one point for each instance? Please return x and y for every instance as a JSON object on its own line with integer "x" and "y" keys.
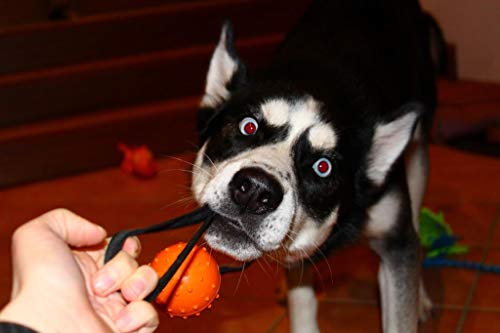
{"x": 470, "y": 296}
{"x": 472, "y": 291}
{"x": 448, "y": 307}
{"x": 276, "y": 323}
{"x": 452, "y": 307}
{"x": 484, "y": 309}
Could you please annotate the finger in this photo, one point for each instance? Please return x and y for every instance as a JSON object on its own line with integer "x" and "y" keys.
{"x": 140, "y": 284}
{"x": 41, "y": 245}
{"x": 71, "y": 228}
{"x": 132, "y": 246}
{"x": 136, "y": 316}
{"x": 111, "y": 276}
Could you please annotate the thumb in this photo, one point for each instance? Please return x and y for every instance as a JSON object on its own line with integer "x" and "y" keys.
{"x": 71, "y": 228}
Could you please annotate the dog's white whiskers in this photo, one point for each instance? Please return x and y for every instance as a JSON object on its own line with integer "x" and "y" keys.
{"x": 191, "y": 164}
{"x": 193, "y": 172}
{"x": 179, "y": 201}
{"x": 267, "y": 263}
{"x": 273, "y": 259}
{"x": 239, "y": 280}
{"x": 317, "y": 271}
{"x": 263, "y": 269}
{"x": 317, "y": 250}
{"x": 325, "y": 259}
{"x": 211, "y": 161}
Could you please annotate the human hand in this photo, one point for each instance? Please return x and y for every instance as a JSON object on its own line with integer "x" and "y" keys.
{"x": 61, "y": 285}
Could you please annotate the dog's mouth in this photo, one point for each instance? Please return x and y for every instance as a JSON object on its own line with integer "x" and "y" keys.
{"x": 228, "y": 236}
{"x": 232, "y": 227}
{"x": 246, "y": 230}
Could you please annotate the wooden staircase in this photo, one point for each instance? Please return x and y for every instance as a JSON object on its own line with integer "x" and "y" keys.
{"x": 77, "y": 77}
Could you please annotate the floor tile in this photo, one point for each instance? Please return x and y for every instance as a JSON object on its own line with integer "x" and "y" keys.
{"x": 496, "y": 238}
{"x": 468, "y": 197}
{"x": 355, "y": 278}
{"x": 470, "y": 222}
{"x": 352, "y": 274}
{"x": 109, "y": 197}
{"x": 260, "y": 281}
{"x": 227, "y": 316}
{"x": 487, "y": 294}
{"x": 451, "y": 286}
{"x": 342, "y": 317}
{"x": 351, "y": 318}
{"x": 482, "y": 322}
{"x": 458, "y": 177}
{"x": 444, "y": 321}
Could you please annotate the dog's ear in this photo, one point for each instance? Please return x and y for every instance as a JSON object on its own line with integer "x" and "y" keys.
{"x": 226, "y": 71}
{"x": 390, "y": 139}
{"x": 225, "y": 74}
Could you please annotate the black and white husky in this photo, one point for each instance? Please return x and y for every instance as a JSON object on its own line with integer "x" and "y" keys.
{"x": 327, "y": 143}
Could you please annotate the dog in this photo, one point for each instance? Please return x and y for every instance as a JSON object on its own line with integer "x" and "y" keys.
{"x": 326, "y": 144}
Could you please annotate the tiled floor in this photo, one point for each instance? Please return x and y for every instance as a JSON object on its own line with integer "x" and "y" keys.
{"x": 466, "y": 187}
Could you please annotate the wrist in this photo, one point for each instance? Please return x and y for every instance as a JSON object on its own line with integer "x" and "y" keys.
{"x": 8, "y": 327}
{"x": 40, "y": 313}
{"x": 13, "y": 312}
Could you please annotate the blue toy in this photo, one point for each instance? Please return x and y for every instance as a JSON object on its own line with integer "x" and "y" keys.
{"x": 438, "y": 241}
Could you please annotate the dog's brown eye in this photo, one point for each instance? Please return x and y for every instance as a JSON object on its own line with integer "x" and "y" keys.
{"x": 322, "y": 167}
{"x": 248, "y": 126}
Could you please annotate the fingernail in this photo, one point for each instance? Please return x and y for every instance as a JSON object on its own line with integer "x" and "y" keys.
{"x": 101, "y": 229}
{"x": 137, "y": 288}
{"x": 124, "y": 321}
{"x": 103, "y": 283}
{"x": 132, "y": 246}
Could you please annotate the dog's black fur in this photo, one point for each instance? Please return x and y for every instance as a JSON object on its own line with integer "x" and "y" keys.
{"x": 367, "y": 62}
{"x": 363, "y": 59}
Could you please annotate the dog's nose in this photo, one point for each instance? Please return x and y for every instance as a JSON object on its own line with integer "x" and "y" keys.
{"x": 255, "y": 191}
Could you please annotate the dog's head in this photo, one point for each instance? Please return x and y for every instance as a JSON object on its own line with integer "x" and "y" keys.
{"x": 276, "y": 166}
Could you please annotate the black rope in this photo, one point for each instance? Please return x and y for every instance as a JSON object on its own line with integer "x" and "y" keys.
{"x": 232, "y": 269}
{"x": 195, "y": 217}
{"x": 165, "y": 279}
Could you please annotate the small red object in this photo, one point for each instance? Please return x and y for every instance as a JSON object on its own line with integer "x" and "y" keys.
{"x": 138, "y": 161}
{"x": 194, "y": 286}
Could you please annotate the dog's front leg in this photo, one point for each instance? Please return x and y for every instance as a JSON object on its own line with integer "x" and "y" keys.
{"x": 399, "y": 283}
{"x": 302, "y": 302}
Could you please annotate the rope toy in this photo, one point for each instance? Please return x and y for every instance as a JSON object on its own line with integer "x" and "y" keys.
{"x": 192, "y": 280}
{"x": 439, "y": 242}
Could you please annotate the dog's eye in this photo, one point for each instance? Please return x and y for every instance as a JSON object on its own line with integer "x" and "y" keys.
{"x": 322, "y": 167}
{"x": 248, "y": 126}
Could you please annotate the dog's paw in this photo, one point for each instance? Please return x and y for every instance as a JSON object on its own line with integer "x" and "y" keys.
{"x": 425, "y": 307}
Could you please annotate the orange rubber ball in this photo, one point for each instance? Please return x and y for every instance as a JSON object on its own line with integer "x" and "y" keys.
{"x": 193, "y": 287}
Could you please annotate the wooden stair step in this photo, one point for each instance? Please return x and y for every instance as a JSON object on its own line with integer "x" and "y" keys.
{"x": 87, "y": 142}
{"x": 173, "y": 26}
{"x": 14, "y": 13}
{"x": 96, "y": 7}
{"x": 46, "y": 94}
